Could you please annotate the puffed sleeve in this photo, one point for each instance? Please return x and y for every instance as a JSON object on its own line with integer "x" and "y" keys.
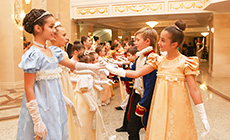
{"x": 85, "y": 83}
{"x": 30, "y": 61}
{"x": 153, "y": 60}
{"x": 191, "y": 66}
{"x": 57, "y": 52}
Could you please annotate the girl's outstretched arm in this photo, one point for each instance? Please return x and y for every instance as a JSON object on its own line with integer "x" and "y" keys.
{"x": 66, "y": 62}
{"x": 146, "y": 69}
{"x": 80, "y": 66}
{"x": 193, "y": 89}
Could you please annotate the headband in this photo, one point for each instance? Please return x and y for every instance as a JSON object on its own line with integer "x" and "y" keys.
{"x": 44, "y": 14}
{"x": 57, "y": 23}
{"x": 177, "y": 28}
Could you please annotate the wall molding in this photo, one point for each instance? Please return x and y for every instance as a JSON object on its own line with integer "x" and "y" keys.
{"x": 129, "y": 8}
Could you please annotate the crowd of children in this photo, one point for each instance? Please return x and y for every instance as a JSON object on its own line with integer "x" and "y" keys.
{"x": 64, "y": 92}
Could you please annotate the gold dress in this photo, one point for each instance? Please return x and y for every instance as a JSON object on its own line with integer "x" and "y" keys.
{"x": 68, "y": 92}
{"x": 171, "y": 116}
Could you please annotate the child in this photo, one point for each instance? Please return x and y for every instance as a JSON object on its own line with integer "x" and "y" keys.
{"x": 105, "y": 95}
{"x": 93, "y": 127}
{"x": 171, "y": 114}
{"x": 131, "y": 55}
{"x": 60, "y": 40}
{"x": 76, "y": 49}
{"x": 140, "y": 100}
{"x": 43, "y": 111}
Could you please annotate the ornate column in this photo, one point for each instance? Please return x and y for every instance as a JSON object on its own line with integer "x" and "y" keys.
{"x": 125, "y": 34}
{"x": 114, "y": 34}
{"x": 221, "y": 45}
{"x": 86, "y": 30}
{"x": 11, "y": 44}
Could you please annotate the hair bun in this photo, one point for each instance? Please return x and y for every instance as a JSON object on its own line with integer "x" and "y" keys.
{"x": 180, "y": 24}
{"x": 28, "y": 21}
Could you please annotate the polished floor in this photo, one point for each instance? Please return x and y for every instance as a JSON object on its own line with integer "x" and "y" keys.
{"x": 215, "y": 93}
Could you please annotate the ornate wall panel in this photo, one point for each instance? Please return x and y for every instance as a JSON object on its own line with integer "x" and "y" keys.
{"x": 92, "y": 11}
{"x": 185, "y": 5}
{"x": 146, "y": 8}
{"x": 127, "y": 8}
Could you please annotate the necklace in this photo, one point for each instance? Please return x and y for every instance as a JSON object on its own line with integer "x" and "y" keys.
{"x": 40, "y": 45}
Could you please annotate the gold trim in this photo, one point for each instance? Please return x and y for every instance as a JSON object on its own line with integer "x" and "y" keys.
{"x": 186, "y": 5}
{"x": 138, "y": 7}
{"x": 92, "y": 11}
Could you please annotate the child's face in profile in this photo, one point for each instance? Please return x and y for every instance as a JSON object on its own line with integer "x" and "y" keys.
{"x": 140, "y": 43}
{"x": 61, "y": 36}
{"x": 96, "y": 58}
{"x": 131, "y": 57}
{"x": 48, "y": 32}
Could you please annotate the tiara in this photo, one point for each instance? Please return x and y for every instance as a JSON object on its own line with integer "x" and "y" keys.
{"x": 44, "y": 14}
{"x": 177, "y": 28}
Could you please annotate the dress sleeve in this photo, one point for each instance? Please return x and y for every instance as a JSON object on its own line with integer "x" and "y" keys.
{"x": 153, "y": 60}
{"x": 85, "y": 83}
{"x": 191, "y": 66}
{"x": 57, "y": 52}
{"x": 31, "y": 61}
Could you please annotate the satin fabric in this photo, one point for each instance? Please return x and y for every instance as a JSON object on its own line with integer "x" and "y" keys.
{"x": 171, "y": 116}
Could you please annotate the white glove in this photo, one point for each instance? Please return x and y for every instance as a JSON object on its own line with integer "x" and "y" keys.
{"x": 83, "y": 66}
{"x": 118, "y": 62}
{"x": 82, "y": 72}
{"x": 39, "y": 127}
{"x": 204, "y": 119}
{"x": 99, "y": 88}
{"x": 73, "y": 79}
{"x": 110, "y": 81}
{"x": 76, "y": 118}
{"x": 98, "y": 82}
{"x": 68, "y": 102}
{"x": 117, "y": 71}
{"x": 89, "y": 102}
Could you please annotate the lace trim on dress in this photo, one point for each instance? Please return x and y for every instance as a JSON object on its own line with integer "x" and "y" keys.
{"x": 48, "y": 74}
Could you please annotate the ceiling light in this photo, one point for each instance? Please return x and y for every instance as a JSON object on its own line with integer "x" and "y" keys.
{"x": 27, "y": 1}
{"x": 22, "y": 14}
{"x": 205, "y": 34}
{"x": 152, "y": 23}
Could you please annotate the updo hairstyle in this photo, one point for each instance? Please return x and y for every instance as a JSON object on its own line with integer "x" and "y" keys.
{"x": 84, "y": 57}
{"x": 34, "y": 18}
{"x": 176, "y": 32}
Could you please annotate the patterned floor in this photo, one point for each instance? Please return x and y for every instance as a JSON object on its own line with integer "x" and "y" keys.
{"x": 10, "y": 103}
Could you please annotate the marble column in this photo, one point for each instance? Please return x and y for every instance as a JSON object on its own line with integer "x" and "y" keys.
{"x": 86, "y": 30}
{"x": 221, "y": 45}
{"x": 125, "y": 34}
{"x": 11, "y": 45}
{"x": 114, "y": 34}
